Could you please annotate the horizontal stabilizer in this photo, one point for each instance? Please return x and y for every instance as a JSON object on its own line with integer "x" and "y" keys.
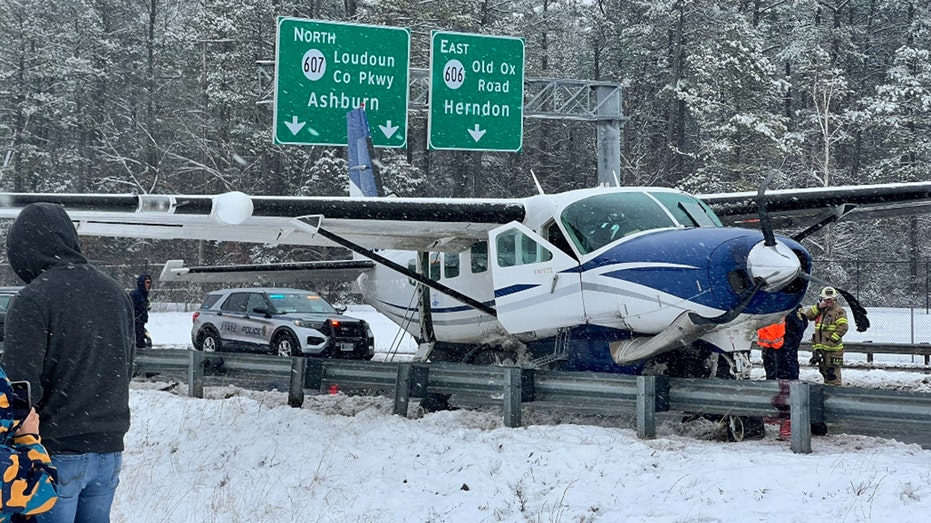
{"x": 318, "y": 271}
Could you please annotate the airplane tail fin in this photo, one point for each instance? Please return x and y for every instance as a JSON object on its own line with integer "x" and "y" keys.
{"x": 364, "y": 179}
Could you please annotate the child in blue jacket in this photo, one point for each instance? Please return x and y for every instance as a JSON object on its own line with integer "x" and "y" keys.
{"x": 29, "y": 481}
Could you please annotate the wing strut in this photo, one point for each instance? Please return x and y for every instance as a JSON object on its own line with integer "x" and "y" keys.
{"x": 835, "y": 214}
{"x": 372, "y": 255}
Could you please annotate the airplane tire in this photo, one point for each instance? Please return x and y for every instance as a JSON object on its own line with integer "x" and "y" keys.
{"x": 433, "y": 402}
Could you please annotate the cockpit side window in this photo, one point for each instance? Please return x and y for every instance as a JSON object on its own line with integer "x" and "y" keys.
{"x": 554, "y": 235}
{"x": 516, "y": 248}
{"x": 599, "y": 220}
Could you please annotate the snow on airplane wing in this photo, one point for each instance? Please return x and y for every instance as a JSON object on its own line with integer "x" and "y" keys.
{"x": 798, "y": 207}
{"x": 378, "y": 223}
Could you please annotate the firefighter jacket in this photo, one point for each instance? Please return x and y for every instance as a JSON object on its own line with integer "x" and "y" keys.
{"x": 830, "y": 327}
{"x": 772, "y": 336}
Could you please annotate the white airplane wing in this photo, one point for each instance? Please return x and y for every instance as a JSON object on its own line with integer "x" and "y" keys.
{"x": 418, "y": 224}
{"x": 379, "y": 223}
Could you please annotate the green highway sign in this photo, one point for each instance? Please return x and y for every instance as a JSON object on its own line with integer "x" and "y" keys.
{"x": 325, "y": 69}
{"x": 476, "y": 92}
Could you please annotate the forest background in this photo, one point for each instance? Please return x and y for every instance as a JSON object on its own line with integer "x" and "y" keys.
{"x": 167, "y": 96}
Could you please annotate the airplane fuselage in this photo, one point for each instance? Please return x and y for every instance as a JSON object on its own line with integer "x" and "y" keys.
{"x": 601, "y": 266}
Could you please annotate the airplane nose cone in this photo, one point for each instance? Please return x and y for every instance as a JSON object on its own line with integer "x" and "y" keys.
{"x": 777, "y": 265}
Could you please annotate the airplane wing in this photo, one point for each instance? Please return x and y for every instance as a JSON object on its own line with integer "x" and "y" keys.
{"x": 419, "y": 224}
{"x": 799, "y": 207}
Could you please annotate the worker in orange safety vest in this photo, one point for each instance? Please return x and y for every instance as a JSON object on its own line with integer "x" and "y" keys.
{"x": 770, "y": 339}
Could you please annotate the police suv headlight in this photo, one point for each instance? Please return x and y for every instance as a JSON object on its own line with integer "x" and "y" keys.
{"x": 316, "y": 325}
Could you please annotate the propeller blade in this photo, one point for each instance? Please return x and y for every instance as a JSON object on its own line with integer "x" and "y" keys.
{"x": 729, "y": 315}
{"x": 860, "y": 318}
{"x": 766, "y": 226}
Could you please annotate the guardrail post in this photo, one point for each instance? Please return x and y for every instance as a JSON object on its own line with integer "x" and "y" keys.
{"x": 800, "y": 417}
{"x": 402, "y": 389}
{"x": 195, "y": 374}
{"x": 420, "y": 377}
{"x": 296, "y": 384}
{"x": 652, "y": 397}
{"x": 313, "y": 377}
{"x": 512, "y": 393}
{"x": 528, "y": 386}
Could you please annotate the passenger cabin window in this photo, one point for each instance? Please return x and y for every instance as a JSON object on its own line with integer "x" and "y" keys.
{"x": 479, "y": 255}
{"x": 599, "y": 220}
{"x": 516, "y": 248}
{"x": 412, "y": 266}
{"x": 435, "y": 266}
{"x": 450, "y": 264}
{"x": 432, "y": 272}
{"x": 688, "y": 210}
{"x": 554, "y": 235}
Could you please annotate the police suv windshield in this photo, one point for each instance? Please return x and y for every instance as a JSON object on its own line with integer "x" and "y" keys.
{"x": 293, "y": 303}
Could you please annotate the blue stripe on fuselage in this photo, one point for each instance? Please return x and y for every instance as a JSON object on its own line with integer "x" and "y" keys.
{"x": 513, "y": 289}
{"x": 688, "y": 262}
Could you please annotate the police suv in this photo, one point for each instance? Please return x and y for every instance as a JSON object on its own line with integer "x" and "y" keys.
{"x": 287, "y": 322}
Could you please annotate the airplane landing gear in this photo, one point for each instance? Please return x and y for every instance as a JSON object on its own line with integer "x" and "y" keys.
{"x": 700, "y": 362}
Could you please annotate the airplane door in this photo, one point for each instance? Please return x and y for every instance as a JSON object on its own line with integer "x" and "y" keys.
{"x": 537, "y": 286}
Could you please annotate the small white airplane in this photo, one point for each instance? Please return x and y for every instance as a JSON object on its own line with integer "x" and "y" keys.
{"x": 619, "y": 279}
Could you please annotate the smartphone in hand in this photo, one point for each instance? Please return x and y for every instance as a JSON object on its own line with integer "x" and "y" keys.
{"x": 21, "y": 399}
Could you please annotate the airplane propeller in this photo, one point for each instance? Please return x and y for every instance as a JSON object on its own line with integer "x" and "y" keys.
{"x": 773, "y": 262}
{"x": 769, "y": 240}
{"x": 772, "y": 265}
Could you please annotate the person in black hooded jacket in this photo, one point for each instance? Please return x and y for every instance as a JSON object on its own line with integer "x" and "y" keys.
{"x": 140, "y": 297}
{"x": 70, "y": 333}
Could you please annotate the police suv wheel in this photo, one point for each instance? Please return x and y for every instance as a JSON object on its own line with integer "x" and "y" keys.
{"x": 286, "y": 344}
{"x": 209, "y": 341}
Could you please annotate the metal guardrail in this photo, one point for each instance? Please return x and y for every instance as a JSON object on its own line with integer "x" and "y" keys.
{"x": 905, "y": 416}
{"x": 902, "y": 349}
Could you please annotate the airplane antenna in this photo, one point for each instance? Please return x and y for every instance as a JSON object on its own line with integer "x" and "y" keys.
{"x": 536, "y": 182}
{"x": 617, "y": 181}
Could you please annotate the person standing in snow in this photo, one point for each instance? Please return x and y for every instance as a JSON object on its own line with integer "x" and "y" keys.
{"x": 827, "y": 345}
{"x": 70, "y": 333}
{"x": 770, "y": 339}
{"x": 140, "y": 297}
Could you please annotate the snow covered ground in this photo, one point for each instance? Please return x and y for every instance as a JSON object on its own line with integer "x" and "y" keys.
{"x": 244, "y": 456}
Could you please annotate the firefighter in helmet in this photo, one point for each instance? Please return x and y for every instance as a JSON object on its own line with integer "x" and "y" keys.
{"x": 827, "y": 345}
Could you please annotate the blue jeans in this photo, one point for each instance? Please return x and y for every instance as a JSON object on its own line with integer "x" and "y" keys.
{"x": 86, "y": 484}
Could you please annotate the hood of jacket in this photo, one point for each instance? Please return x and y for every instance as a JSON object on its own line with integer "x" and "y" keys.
{"x": 41, "y": 237}
{"x": 140, "y": 284}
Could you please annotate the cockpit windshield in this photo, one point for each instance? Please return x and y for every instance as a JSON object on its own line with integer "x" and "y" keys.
{"x": 599, "y": 220}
